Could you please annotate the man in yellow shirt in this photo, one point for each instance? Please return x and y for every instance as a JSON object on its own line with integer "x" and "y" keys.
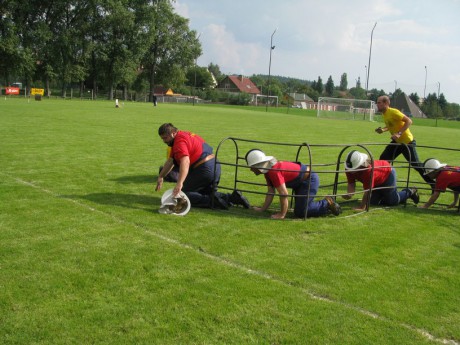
{"x": 398, "y": 125}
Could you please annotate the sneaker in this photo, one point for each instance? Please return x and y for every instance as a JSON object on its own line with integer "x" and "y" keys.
{"x": 237, "y": 198}
{"x": 219, "y": 202}
{"x": 333, "y": 206}
{"x": 414, "y": 195}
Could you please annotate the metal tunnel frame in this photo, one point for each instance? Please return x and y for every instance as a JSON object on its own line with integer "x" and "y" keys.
{"x": 301, "y": 147}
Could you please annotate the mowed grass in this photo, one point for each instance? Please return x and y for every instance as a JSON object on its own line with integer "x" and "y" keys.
{"x": 86, "y": 258}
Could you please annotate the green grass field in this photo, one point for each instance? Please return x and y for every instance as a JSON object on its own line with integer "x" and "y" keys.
{"x": 85, "y": 257}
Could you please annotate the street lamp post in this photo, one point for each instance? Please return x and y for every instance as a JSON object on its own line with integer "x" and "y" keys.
{"x": 269, "y": 69}
{"x": 365, "y": 73}
{"x": 396, "y": 85}
{"x": 424, "y": 89}
{"x": 437, "y": 108}
{"x": 196, "y": 66}
{"x": 369, "y": 63}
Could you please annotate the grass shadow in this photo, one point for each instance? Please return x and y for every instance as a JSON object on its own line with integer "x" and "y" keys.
{"x": 134, "y": 201}
{"x": 147, "y": 203}
{"x": 135, "y": 179}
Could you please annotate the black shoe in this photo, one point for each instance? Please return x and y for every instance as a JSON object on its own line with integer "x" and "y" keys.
{"x": 219, "y": 202}
{"x": 333, "y": 206}
{"x": 238, "y": 199}
{"x": 414, "y": 195}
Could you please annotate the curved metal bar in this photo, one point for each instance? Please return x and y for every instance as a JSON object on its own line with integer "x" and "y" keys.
{"x": 310, "y": 148}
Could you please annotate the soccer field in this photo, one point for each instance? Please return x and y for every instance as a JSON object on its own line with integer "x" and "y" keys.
{"x": 85, "y": 257}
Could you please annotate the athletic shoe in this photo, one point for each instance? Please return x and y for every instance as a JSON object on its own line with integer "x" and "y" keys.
{"x": 219, "y": 202}
{"x": 237, "y": 198}
{"x": 333, "y": 206}
{"x": 414, "y": 195}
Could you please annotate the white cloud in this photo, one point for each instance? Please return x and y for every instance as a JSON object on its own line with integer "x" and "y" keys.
{"x": 330, "y": 38}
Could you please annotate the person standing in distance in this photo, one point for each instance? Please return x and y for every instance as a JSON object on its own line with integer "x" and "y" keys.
{"x": 398, "y": 125}
{"x": 197, "y": 178}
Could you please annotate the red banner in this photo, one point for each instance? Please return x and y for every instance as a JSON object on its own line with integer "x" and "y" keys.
{"x": 12, "y": 90}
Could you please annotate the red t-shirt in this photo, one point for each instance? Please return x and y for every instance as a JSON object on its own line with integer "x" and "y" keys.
{"x": 187, "y": 144}
{"x": 276, "y": 178}
{"x": 448, "y": 178}
{"x": 382, "y": 169}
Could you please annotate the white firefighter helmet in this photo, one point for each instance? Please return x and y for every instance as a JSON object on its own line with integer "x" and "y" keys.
{"x": 257, "y": 159}
{"x": 179, "y": 205}
{"x": 355, "y": 159}
{"x": 431, "y": 165}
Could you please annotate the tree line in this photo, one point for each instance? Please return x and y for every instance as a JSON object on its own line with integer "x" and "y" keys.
{"x": 96, "y": 44}
{"x": 103, "y": 45}
{"x": 434, "y": 105}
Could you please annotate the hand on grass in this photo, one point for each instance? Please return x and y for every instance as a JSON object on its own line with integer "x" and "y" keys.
{"x": 159, "y": 184}
{"x": 277, "y": 216}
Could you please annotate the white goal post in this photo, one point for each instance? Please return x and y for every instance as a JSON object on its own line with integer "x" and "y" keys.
{"x": 346, "y": 109}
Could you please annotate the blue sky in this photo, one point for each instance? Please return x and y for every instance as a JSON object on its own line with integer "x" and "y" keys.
{"x": 333, "y": 37}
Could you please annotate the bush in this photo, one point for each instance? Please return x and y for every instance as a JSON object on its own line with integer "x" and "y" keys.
{"x": 239, "y": 99}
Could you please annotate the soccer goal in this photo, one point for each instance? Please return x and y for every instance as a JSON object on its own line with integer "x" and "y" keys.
{"x": 346, "y": 109}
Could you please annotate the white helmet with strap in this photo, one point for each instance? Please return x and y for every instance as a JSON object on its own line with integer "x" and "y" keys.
{"x": 355, "y": 159}
{"x": 431, "y": 165}
{"x": 256, "y": 158}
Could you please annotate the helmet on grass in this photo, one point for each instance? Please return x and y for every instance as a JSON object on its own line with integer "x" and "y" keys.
{"x": 178, "y": 205}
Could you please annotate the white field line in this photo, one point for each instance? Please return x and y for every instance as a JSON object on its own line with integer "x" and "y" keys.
{"x": 240, "y": 267}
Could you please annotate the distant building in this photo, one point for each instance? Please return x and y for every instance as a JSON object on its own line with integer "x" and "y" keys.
{"x": 300, "y": 100}
{"x": 238, "y": 84}
{"x": 159, "y": 91}
{"x": 405, "y": 105}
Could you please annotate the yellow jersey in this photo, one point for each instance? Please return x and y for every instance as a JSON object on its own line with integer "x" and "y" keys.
{"x": 393, "y": 121}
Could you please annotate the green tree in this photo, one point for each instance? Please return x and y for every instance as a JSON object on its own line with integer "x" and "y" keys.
{"x": 215, "y": 70}
{"x": 452, "y": 111}
{"x": 398, "y": 92}
{"x": 430, "y": 105}
{"x": 65, "y": 54}
{"x": 415, "y": 98}
{"x": 19, "y": 47}
{"x": 358, "y": 93}
{"x": 329, "y": 87}
{"x": 199, "y": 77}
{"x": 373, "y": 94}
{"x": 172, "y": 47}
{"x": 121, "y": 44}
{"x": 318, "y": 86}
{"x": 442, "y": 101}
{"x": 11, "y": 52}
{"x": 343, "y": 82}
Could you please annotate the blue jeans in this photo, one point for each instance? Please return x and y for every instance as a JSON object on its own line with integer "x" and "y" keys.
{"x": 200, "y": 183}
{"x": 304, "y": 204}
{"x": 389, "y": 196}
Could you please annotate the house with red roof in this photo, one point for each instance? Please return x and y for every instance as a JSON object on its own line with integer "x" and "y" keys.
{"x": 238, "y": 84}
